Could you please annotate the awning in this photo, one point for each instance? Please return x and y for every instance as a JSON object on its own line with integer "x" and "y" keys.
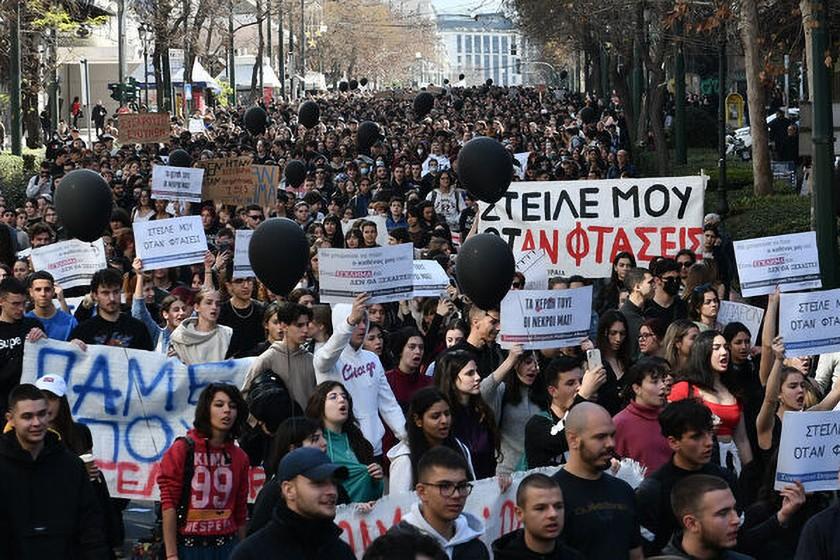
{"x": 200, "y": 77}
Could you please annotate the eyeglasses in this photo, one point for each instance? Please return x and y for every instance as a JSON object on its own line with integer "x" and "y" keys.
{"x": 684, "y": 264}
{"x": 447, "y": 489}
{"x": 645, "y": 336}
{"x": 255, "y": 217}
{"x": 336, "y": 396}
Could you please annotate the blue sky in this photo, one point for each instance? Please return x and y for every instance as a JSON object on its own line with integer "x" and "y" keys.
{"x": 467, "y": 6}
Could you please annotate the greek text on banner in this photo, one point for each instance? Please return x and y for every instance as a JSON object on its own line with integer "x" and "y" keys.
{"x": 582, "y": 225}
{"x": 134, "y": 402}
{"x": 545, "y": 318}
{"x": 72, "y": 263}
{"x": 789, "y": 261}
{"x": 809, "y": 451}
{"x": 170, "y": 242}
{"x": 810, "y": 322}
{"x": 386, "y": 273}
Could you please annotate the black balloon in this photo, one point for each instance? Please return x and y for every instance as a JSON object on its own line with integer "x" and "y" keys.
{"x": 489, "y": 82}
{"x": 343, "y": 86}
{"x": 446, "y": 81}
{"x": 485, "y": 168}
{"x": 363, "y": 82}
{"x": 180, "y": 158}
{"x": 485, "y": 268}
{"x": 588, "y": 115}
{"x": 256, "y": 119}
{"x": 367, "y": 135}
{"x": 279, "y": 253}
{"x": 354, "y": 84}
{"x": 295, "y": 173}
{"x": 458, "y": 104}
{"x": 84, "y": 202}
{"x": 563, "y": 74}
{"x": 308, "y": 113}
{"x": 460, "y": 77}
{"x": 423, "y": 103}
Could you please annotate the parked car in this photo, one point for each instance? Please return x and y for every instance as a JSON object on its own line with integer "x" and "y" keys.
{"x": 739, "y": 141}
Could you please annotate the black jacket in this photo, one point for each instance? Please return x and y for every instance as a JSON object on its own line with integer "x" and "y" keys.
{"x": 512, "y": 547}
{"x": 675, "y": 550}
{"x": 49, "y": 507}
{"x": 820, "y": 539}
{"x": 291, "y": 537}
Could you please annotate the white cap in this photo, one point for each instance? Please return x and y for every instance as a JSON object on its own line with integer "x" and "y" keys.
{"x": 52, "y": 383}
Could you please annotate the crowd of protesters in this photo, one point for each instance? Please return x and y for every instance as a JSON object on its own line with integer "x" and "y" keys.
{"x": 440, "y": 405}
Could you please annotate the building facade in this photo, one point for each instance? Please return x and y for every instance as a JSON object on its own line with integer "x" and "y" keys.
{"x": 482, "y": 47}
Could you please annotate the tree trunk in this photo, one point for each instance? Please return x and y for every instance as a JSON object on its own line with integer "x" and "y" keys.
{"x": 762, "y": 177}
{"x": 806, "y": 10}
{"x": 619, "y": 80}
{"x": 31, "y": 83}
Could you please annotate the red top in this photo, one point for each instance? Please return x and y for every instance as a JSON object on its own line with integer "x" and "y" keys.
{"x": 729, "y": 414}
{"x": 404, "y": 385}
{"x": 638, "y": 436}
{"x": 219, "y": 499}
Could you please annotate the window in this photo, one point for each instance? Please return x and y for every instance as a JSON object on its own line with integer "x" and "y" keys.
{"x": 467, "y": 44}
{"x": 505, "y": 63}
{"x": 487, "y": 68}
{"x": 486, "y": 44}
{"x": 505, "y": 45}
{"x": 458, "y": 41}
{"x": 496, "y": 71}
{"x": 477, "y": 60}
{"x": 459, "y": 60}
{"x": 495, "y": 43}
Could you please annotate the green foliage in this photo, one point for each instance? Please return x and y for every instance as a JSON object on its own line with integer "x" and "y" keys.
{"x": 222, "y": 98}
{"x": 59, "y": 19}
{"x": 12, "y": 179}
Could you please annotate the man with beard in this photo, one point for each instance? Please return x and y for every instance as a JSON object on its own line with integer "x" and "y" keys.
{"x": 596, "y": 504}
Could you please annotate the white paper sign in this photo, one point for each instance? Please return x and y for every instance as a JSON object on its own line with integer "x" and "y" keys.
{"x": 789, "y": 261}
{"x": 196, "y": 125}
{"x": 809, "y": 451}
{"x": 522, "y": 160}
{"x": 381, "y": 227}
{"x": 430, "y": 280}
{"x": 168, "y": 243}
{"x": 534, "y": 265}
{"x": 386, "y": 273}
{"x": 732, "y": 312}
{"x": 810, "y": 323}
{"x": 241, "y": 260}
{"x": 177, "y": 183}
{"x": 72, "y": 263}
{"x": 539, "y": 319}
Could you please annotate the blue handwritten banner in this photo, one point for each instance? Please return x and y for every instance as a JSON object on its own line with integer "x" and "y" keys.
{"x": 134, "y": 402}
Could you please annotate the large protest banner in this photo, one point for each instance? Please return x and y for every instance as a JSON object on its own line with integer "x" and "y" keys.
{"x": 496, "y": 509}
{"x": 171, "y": 242}
{"x": 241, "y": 259}
{"x": 430, "y": 280}
{"x": 750, "y": 316}
{"x": 134, "y": 402}
{"x": 582, "y": 225}
{"x": 386, "y": 273}
{"x": 229, "y": 180}
{"x": 267, "y": 178}
{"x": 72, "y": 263}
{"x": 789, "y": 261}
{"x": 809, "y": 451}
{"x": 810, "y": 322}
{"x": 177, "y": 183}
{"x": 545, "y": 318}
{"x": 143, "y": 128}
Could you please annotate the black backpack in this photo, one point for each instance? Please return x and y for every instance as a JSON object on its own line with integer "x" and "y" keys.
{"x": 269, "y": 400}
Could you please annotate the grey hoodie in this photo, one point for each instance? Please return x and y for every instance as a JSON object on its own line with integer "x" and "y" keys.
{"x": 294, "y": 369}
{"x": 194, "y": 347}
{"x": 465, "y": 543}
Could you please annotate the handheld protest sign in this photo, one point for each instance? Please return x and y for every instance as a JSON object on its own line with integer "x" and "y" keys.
{"x": 279, "y": 254}
{"x": 83, "y": 201}
{"x": 485, "y": 269}
{"x": 485, "y": 168}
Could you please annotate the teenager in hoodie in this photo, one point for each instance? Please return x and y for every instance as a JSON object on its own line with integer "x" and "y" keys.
{"x": 212, "y": 521}
{"x": 540, "y": 510}
{"x": 637, "y": 432}
{"x": 442, "y": 488}
{"x": 343, "y": 359}
{"x": 201, "y": 339}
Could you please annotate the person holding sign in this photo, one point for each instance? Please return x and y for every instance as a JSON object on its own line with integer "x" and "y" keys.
{"x": 201, "y": 339}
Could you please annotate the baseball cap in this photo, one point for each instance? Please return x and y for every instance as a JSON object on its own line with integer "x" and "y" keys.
{"x": 312, "y": 463}
{"x": 52, "y": 383}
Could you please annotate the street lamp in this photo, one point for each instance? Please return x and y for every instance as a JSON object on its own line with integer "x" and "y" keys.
{"x": 145, "y": 32}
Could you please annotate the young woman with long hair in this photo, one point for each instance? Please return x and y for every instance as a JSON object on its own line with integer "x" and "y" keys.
{"x": 473, "y": 421}
{"x": 212, "y": 521}
{"x": 428, "y": 424}
{"x": 679, "y": 338}
{"x": 614, "y": 344}
{"x": 202, "y": 339}
{"x": 332, "y": 405}
{"x": 703, "y": 307}
{"x": 608, "y": 296}
{"x": 706, "y": 378}
{"x": 173, "y": 310}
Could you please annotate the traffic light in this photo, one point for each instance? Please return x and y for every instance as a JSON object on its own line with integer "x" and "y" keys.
{"x": 116, "y": 91}
{"x": 132, "y": 90}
